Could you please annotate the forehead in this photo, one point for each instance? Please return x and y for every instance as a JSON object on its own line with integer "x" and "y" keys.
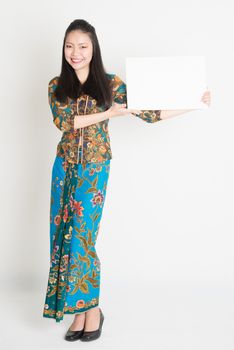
{"x": 78, "y": 37}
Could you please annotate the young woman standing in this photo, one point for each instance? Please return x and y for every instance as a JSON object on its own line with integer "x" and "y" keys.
{"x": 82, "y": 100}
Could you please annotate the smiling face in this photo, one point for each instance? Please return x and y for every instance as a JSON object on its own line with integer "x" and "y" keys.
{"x": 78, "y": 50}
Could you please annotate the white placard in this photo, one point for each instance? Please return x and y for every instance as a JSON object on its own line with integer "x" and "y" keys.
{"x": 176, "y": 82}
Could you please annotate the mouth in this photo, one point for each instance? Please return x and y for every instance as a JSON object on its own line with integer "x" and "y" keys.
{"x": 76, "y": 61}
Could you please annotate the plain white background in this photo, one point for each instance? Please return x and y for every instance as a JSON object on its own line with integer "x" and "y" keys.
{"x": 166, "y": 237}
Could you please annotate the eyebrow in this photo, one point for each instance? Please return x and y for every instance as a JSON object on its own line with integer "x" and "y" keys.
{"x": 67, "y": 42}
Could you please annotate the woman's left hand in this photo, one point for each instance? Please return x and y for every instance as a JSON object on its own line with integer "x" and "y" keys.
{"x": 206, "y": 98}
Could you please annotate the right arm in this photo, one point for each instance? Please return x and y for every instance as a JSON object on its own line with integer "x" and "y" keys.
{"x": 117, "y": 109}
{"x": 66, "y": 120}
{"x": 89, "y": 119}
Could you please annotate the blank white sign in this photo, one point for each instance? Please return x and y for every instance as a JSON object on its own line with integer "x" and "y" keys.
{"x": 176, "y": 82}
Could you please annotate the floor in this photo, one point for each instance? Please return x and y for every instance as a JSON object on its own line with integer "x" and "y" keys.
{"x": 138, "y": 316}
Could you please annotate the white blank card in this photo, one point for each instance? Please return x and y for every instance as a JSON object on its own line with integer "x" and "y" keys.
{"x": 176, "y": 82}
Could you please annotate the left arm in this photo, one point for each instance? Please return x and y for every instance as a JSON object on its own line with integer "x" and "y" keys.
{"x": 166, "y": 114}
{"x": 153, "y": 116}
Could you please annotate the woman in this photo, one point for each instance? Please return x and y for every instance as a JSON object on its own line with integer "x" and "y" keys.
{"x": 82, "y": 100}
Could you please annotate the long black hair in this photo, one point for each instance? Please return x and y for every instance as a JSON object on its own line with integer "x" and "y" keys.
{"x": 98, "y": 84}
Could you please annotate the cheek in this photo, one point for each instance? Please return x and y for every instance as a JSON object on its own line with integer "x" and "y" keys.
{"x": 90, "y": 54}
{"x": 67, "y": 53}
{"x": 67, "y": 59}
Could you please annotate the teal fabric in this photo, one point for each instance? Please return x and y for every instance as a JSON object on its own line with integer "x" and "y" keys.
{"x": 77, "y": 199}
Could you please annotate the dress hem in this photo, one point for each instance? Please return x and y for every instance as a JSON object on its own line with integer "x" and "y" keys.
{"x": 51, "y": 313}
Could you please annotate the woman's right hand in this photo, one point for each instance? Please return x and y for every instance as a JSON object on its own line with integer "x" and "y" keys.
{"x": 118, "y": 109}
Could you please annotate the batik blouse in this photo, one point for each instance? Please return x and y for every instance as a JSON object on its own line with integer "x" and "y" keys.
{"x": 93, "y": 140}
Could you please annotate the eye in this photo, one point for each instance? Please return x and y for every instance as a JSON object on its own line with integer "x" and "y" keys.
{"x": 83, "y": 47}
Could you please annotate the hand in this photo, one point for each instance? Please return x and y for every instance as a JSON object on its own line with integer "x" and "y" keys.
{"x": 206, "y": 98}
{"x": 119, "y": 109}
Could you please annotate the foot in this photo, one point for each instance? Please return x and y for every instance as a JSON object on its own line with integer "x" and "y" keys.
{"x": 92, "y": 319}
{"x": 78, "y": 323}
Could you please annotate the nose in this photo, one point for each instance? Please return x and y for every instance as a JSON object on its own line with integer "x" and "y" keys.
{"x": 76, "y": 52}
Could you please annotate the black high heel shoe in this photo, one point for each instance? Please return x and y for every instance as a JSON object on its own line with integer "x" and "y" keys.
{"x": 92, "y": 335}
{"x": 73, "y": 335}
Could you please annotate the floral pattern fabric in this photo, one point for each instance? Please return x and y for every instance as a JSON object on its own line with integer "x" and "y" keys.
{"x": 77, "y": 199}
{"x": 96, "y": 139}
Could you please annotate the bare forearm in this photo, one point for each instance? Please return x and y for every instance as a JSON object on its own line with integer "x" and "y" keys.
{"x": 80, "y": 121}
{"x": 165, "y": 114}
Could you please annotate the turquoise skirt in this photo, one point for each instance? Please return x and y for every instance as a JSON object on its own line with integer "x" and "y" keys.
{"x": 77, "y": 199}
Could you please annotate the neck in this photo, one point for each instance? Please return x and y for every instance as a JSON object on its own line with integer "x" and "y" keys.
{"x": 82, "y": 74}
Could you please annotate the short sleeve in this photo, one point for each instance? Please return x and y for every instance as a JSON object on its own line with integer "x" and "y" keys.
{"x": 120, "y": 96}
{"x": 63, "y": 114}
